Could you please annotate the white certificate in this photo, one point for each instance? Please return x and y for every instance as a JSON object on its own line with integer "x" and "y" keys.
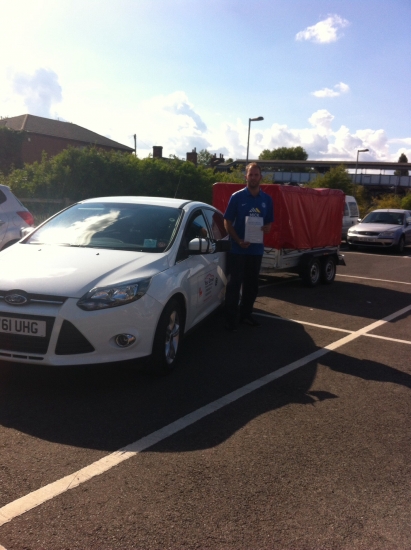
{"x": 253, "y": 232}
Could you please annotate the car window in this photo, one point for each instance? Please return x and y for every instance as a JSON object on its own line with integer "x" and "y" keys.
{"x": 197, "y": 227}
{"x": 3, "y": 197}
{"x": 391, "y": 218}
{"x": 139, "y": 227}
{"x": 346, "y": 213}
{"x": 353, "y": 209}
{"x": 216, "y": 222}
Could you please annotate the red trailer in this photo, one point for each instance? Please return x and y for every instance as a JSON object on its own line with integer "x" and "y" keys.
{"x": 306, "y": 232}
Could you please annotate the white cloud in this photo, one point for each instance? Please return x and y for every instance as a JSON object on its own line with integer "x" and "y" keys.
{"x": 325, "y": 31}
{"x": 39, "y": 91}
{"x": 339, "y": 89}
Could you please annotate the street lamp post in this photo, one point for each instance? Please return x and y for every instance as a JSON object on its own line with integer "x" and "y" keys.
{"x": 356, "y": 165}
{"x": 248, "y": 140}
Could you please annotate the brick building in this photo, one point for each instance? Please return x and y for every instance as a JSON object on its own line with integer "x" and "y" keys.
{"x": 53, "y": 136}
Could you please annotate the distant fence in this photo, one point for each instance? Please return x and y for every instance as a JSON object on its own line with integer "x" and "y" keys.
{"x": 372, "y": 180}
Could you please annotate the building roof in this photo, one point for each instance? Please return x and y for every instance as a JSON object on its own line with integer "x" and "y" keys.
{"x": 319, "y": 165}
{"x": 59, "y": 129}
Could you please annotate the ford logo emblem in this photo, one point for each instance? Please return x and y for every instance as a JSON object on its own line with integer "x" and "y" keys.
{"x": 16, "y": 298}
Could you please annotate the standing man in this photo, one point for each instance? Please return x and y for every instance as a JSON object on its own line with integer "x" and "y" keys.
{"x": 244, "y": 260}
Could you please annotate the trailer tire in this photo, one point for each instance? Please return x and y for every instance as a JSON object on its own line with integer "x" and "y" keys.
{"x": 311, "y": 272}
{"x": 328, "y": 270}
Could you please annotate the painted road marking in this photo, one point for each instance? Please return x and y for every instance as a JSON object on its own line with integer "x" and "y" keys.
{"x": 370, "y": 279}
{"x": 30, "y": 501}
{"x": 326, "y": 327}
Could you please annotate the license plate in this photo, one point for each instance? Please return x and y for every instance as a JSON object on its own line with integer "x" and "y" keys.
{"x": 24, "y": 327}
{"x": 368, "y": 239}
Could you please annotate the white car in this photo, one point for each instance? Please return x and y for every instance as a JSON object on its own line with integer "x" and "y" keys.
{"x": 388, "y": 228}
{"x": 110, "y": 279}
{"x": 14, "y": 218}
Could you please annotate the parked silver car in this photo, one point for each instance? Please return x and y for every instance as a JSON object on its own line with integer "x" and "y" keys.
{"x": 384, "y": 228}
{"x": 14, "y": 217}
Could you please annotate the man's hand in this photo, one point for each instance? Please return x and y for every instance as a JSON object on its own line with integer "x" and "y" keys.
{"x": 244, "y": 244}
{"x": 266, "y": 228}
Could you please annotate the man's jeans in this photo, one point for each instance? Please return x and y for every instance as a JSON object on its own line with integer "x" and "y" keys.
{"x": 243, "y": 270}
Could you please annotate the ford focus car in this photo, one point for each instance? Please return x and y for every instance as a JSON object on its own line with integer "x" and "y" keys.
{"x": 112, "y": 279}
{"x": 384, "y": 228}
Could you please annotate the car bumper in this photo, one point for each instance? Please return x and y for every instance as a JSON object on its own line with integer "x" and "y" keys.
{"x": 77, "y": 337}
{"x": 372, "y": 241}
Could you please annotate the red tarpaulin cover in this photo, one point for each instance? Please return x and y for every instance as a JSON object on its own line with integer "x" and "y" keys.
{"x": 303, "y": 217}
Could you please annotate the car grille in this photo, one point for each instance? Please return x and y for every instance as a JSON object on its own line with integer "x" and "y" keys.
{"x": 369, "y": 233}
{"x": 27, "y": 344}
{"x": 71, "y": 341}
{"x": 40, "y": 298}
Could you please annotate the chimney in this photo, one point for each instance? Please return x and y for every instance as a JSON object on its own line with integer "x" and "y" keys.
{"x": 215, "y": 161}
{"x": 192, "y": 157}
{"x": 157, "y": 152}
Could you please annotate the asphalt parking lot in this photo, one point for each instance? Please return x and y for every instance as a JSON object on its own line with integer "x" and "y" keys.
{"x": 295, "y": 435}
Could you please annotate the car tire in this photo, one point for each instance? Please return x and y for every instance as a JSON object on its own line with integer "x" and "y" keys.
{"x": 328, "y": 270}
{"x": 401, "y": 245}
{"x": 167, "y": 340}
{"x": 311, "y": 272}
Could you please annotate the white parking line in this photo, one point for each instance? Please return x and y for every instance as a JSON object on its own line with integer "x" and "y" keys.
{"x": 370, "y": 279}
{"x": 326, "y": 327}
{"x": 30, "y": 501}
{"x": 302, "y": 322}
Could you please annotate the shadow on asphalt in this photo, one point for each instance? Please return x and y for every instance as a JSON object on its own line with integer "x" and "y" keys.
{"x": 346, "y": 298}
{"x": 110, "y": 406}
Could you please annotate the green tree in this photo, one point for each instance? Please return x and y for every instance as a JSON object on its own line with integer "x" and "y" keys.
{"x": 284, "y": 153}
{"x": 204, "y": 157}
{"x": 335, "y": 178}
{"x": 402, "y": 172}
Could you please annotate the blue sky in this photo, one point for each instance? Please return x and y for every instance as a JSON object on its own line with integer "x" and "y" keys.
{"x": 329, "y": 75}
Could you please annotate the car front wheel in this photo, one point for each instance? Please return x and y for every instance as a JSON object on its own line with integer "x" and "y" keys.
{"x": 401, "y": 245}
{"x": 167, "y": 339}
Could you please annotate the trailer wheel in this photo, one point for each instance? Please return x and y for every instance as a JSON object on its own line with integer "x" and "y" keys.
{"x": 311, "y": 272}
{"x": 328, "y": 270}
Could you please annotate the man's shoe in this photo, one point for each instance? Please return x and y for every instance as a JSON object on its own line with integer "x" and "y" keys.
{"x": 251, "y": 321}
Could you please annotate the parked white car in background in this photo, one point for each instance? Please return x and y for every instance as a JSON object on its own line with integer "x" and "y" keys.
{"x": 350, "y": 216}
{"x": 112, "y": 279}
{"x": 14, "y": 217}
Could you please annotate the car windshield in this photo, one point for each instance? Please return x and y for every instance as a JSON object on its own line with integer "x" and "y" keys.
{"x": 391, "y": 218}
{"x": 140, "y": 227}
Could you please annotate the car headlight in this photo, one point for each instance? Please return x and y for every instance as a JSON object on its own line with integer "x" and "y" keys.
{"x": 352, "y": 231}
{"x": 113, "y": 295}
{"x": 389, "y": 234}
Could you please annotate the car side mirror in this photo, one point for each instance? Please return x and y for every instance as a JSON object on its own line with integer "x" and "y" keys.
{"x": 359, "y": 220}
{"x": 201, "y": 246}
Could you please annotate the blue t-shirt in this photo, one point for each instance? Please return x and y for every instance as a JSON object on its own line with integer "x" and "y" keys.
{"x": 242, "y": 204}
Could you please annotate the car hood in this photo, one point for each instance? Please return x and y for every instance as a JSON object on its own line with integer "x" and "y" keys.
{"x": 71, "y": 272}
{"x": 376, "y": 227}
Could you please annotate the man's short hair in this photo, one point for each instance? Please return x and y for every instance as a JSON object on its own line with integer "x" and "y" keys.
{"x": 252, "y": 165}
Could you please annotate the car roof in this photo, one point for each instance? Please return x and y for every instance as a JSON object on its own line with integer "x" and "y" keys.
{"x": 397, "y": 210}
{"x": 156, "y": 201}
